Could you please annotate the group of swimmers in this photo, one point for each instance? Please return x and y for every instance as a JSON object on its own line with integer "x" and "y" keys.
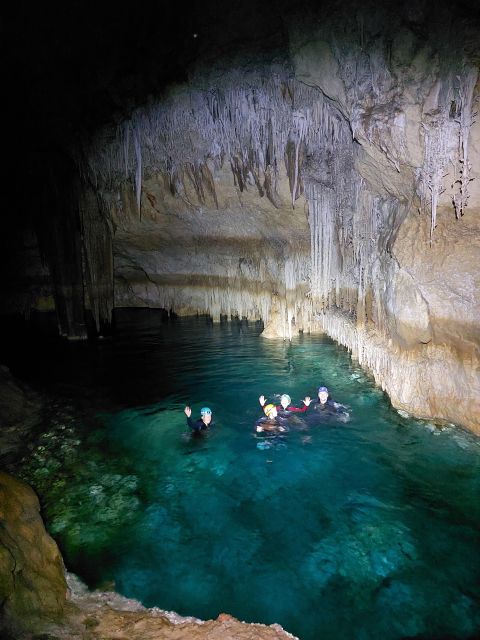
{"x": 276, "y": 418}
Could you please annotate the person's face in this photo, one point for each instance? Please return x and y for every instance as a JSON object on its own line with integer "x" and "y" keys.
{"x": 323, "y": 396}
{"x": 207, "y": 418}
{"x": 284, "y": 402}
{"x": 273, "y": 413}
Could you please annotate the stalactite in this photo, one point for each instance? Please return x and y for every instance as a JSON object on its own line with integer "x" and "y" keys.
{"x": 138, "y": 170}
{"x": 441, "y": 130}
{"x": 96, "y": 235}
{"x": 249, "y": 121}
{"x": 126, "y": 146}
{"x": 467, "y": 82}
{"x": 322, "y": 231}
{"x": 437, "y": 136}
{"x": 298, "y": 134}
{"x": 255, "y": 122}
{"x": 209, "y": 182}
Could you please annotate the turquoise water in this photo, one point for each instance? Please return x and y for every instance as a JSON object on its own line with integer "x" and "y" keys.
{"x": 365, "y": 529}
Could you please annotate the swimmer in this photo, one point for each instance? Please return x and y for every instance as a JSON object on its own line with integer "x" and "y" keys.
{"x": 285, "y": 404}
{"x": 203, "y": 423}
{"x": 326, "y": 404}
{"x": 272, "y": 423}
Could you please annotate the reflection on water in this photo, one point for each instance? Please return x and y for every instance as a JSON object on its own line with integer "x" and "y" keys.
{"x": 364, "y": 529}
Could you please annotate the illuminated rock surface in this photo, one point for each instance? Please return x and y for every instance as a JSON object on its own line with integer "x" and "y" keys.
{"x": 318, "y": 172}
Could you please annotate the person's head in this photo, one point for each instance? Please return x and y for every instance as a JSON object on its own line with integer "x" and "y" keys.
{"x": 270, "y": 411}
{"x": 285, "y": 400}
{"x": 323, "y": 394}
{"x": 206, "y": 414}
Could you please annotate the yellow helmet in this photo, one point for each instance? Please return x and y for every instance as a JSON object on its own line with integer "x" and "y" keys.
{"x": 268, "y": 409}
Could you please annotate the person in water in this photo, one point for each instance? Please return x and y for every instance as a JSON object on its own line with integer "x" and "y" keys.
{"x": 272, "y": 422}
{"x": 203, "y": 423}
{"x": 286, "y": 404}
{"x": 327, "y": 405}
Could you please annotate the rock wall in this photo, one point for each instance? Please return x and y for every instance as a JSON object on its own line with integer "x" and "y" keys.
{"x": 415, "y": 325}
{"x": 242, "y": 257}
{"x": 330, "y": 182}
{"x": 32, "y": 583}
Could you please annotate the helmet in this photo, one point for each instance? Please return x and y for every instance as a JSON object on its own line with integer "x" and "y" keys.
{"x": 205, "y": 410}
{"x": 268, "y": 409}
{"x": 286, "y": 397}
{"x": 324, "y": 389}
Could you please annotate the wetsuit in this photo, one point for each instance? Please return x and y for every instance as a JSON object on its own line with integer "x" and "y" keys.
{"x": 198, "y": 425}
{"x": 277, "y": 425}
{"x": 292, "y": 409}
{"x": 330, "y": 408}
{"x": 272, "y": 434}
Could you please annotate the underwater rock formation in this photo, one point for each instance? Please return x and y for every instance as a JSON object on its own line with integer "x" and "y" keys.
{"x": 37, "y": 598}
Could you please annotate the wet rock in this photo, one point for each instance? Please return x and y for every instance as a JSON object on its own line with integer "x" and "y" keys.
{"x": 32, "y": 583}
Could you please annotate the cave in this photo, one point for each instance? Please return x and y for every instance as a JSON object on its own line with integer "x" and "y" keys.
{"x": 307, "y": 169}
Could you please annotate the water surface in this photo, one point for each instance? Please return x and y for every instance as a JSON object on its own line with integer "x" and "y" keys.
{"x": 366, "y": 529}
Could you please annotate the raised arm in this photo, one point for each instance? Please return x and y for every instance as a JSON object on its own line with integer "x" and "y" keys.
{"x": 306, "y": 403}
{"x": 262, "y": 400}
{"x": 188, "y": 413}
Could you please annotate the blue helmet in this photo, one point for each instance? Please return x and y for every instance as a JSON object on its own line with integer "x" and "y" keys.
{"x": 205, "y": 410}
{"x": 324, "y": 389}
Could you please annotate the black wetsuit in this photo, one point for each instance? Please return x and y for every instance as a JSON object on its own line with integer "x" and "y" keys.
{"x": 198, "y": 425}
{"x": 273, "y": 433}
{"x": 329, "y": 406}
{"x": 329, "y": 409}
{"x": 271, "y": 427}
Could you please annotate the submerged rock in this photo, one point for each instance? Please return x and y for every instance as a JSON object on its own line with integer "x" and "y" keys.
{"x": 38, "y": 599}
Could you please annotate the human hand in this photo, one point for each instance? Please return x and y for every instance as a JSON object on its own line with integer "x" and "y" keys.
{"x": 188, "y": 412}
{"x": 307, "y": 400}
{"x": 262, "y": 400}
{"x": 259, "y": 428}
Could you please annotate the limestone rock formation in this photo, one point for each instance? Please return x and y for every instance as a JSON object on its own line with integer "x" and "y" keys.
{"x": 330, "y": 183}
{"x": 32, "y": 583}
